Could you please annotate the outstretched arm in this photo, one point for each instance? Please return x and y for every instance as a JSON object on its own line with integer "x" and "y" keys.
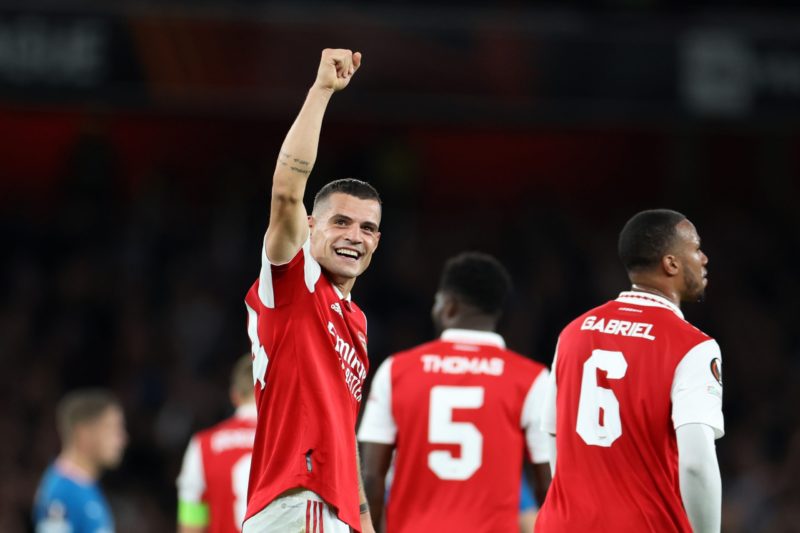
{"x": 288, "y": 224}
{"x": 698, "y": 472}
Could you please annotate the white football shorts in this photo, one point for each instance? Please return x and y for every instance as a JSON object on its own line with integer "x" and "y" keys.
{"x": 296, "y": 511}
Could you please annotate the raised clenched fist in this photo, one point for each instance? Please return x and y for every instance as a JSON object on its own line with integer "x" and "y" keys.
{"x": 336, "y": 68}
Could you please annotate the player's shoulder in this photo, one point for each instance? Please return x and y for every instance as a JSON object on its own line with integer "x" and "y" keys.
{"x": 278, "y": 285}
{"x": 676, "y": 325}
{"x": 599, "y": 310}
{"x": 432, "y": 346}
{"x": 409, "y": 360}
{"x": 57, "y": 486}
{"x": 688, "y": 329}
{"x": 209, "y": 432}
{"x": 610, "y": 314}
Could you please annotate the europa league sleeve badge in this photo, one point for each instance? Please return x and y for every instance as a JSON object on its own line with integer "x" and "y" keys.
{"x": 716, "y": 369}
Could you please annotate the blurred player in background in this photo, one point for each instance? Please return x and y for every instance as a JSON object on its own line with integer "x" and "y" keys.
{"x": 212, "y": 486}
{"x": 91, "y": 425}
{"x": 309, "y": 340}
{"x": 635, "y": 397}
{"x": 460, "y": 412}
{"x": 527, "y": 508}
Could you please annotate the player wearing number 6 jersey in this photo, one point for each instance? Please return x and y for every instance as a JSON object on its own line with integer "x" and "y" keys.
{"x": 460, "y": 413}
{"x": 635, "y": 397}
{"x": 212, "y": 485}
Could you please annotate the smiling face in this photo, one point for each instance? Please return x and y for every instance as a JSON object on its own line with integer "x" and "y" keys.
{"x": 344, "y": 235}
{"x": 693, "y": 261}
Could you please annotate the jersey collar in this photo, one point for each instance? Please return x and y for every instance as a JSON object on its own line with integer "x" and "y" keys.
{"x": 339, "y": 293}
{"x": 74, "y": 472}
{"x": 246, "y": 411}
{"x": 648, "y": 300}
{"x": 473, "y": 336}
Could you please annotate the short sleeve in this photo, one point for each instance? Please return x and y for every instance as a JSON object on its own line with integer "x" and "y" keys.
{"x": 697, "y": 388}
{"x": 538, "y": 441}
{"x": 377, "y": 424}
{"x": 191, "y": 481}
{"x": 272, "y": 276}
{"x": 548, "y": 416}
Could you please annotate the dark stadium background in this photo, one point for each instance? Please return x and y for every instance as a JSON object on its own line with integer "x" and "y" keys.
{"x": 137, "y": 141}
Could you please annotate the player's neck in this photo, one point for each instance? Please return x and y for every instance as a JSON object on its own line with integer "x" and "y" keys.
{"x": 344, "y": 285}
{"x": 649, "y": 288}
{"x": 474, "y": 322}
{"x": 78, "y": 464}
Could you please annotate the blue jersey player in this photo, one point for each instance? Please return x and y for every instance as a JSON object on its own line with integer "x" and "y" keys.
{"x": 69, "y": 500}
{"x": 528, "y": 506}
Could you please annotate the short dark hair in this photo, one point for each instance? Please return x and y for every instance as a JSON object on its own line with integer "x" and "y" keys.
{"x": 242, "y": 376}
{"x": 647, "y": 237}
{"x": 351, "y": 186}
{"x": 479, "y": 279}
{"x": 81, "y": 406}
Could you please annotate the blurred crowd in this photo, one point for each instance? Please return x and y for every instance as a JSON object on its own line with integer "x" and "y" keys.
{"x": 138, "y": 285}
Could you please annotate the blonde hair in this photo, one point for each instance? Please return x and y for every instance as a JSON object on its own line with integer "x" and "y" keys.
{"x": 82, "y": 406}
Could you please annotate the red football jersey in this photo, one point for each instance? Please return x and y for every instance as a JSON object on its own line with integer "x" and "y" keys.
{"x": 216, "y": 468}
{"x": 459, "y": 411}
{"x": 625, "y": 375}
{"x": 310, "y": 360}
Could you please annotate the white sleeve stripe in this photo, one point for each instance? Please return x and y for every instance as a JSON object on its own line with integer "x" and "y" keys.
{"x": 260, "y": 359}
{"x": 191, "y": 481}
{"x": 265, "y": 291}
{"x": 311, "y": 269}
{"x": 378, "y": 424}
{"x": 536, "y": 439}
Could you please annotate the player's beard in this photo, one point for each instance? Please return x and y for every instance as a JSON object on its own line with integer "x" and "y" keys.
{"x": 695, "y": 290}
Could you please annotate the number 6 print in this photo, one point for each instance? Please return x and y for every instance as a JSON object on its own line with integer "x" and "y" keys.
{"x": 594, "y": 398}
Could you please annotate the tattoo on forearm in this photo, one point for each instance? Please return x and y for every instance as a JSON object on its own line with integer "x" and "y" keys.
{"x": 302, "y": 171}
{"x": 285, "y": 159}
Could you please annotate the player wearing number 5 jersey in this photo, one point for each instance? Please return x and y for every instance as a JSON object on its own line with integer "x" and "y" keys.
{"x": 460, "y": 412}
{"x": 212, "y": 485}
{"x": 635, "y": 397}
{"x": 309, "y": 339}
